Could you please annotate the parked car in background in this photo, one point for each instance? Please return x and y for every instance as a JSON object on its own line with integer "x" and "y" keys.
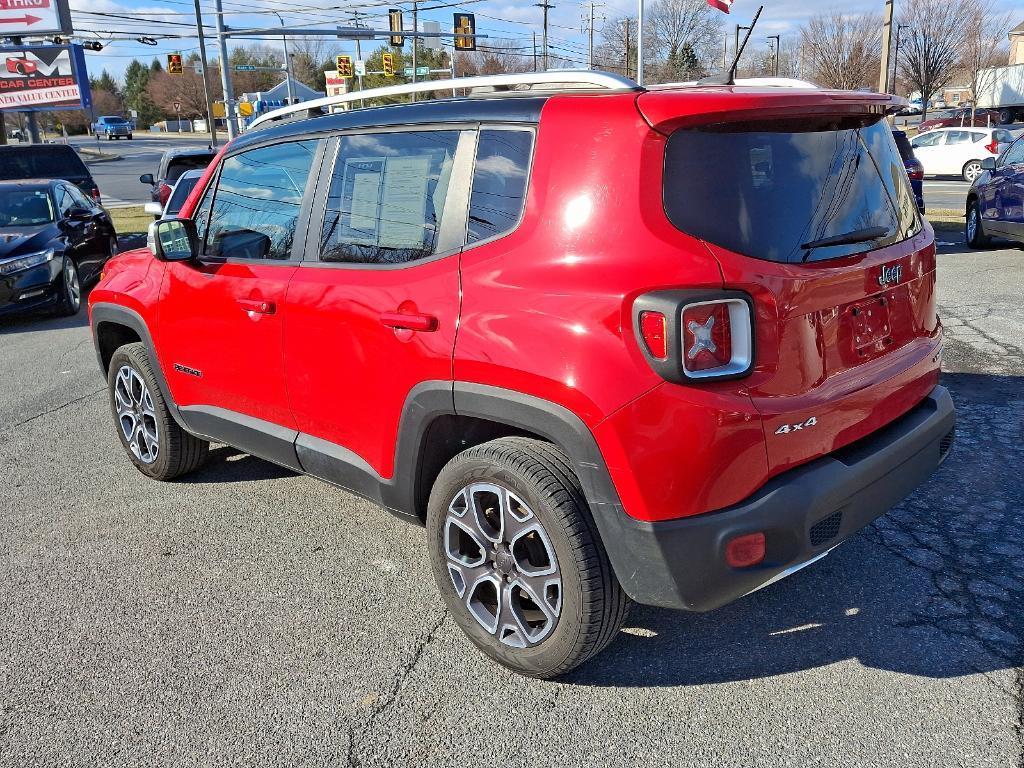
{"x": 173, "y": 163}
{"x": 912, "y": 108}
{"x": 53, "y": 241}
{"x": 113, "y": 127}
{"x": 50, "y": 161}
{"x": 915, "y": 170}
{"x": 185, "y": 184}
{"x": 959, "y": 151}
{"x": 958, "y": 118}
{"x": 428, "y": 307}
{"x": 995, "y": 203}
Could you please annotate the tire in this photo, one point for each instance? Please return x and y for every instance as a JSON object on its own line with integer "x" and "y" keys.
{"x": 112, "y": 247}
{"x": 69, "y": 300}
{"x": 161, "y": 449}
{"x": 129, "y": 137}
{"x": 972, "y": 170}
{"x": 546, "y": 546}
{"x": 1007, "y": 116}
{"x": 974, "y": 232}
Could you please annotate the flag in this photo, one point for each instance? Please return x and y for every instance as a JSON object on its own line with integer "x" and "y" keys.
{"x": 722, "y": 5}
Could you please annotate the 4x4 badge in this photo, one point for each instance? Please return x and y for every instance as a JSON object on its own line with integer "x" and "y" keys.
{"x": 891, "y": 273}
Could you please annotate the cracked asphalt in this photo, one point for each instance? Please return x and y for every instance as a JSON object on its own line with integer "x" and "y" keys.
{"x": 250, "y": 616}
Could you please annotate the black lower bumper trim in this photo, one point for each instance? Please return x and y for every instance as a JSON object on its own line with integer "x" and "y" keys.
{"x": 681, "y": 564}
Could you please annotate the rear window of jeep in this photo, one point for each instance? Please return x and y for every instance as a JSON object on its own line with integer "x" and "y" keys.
{"x": 789, "y": 190}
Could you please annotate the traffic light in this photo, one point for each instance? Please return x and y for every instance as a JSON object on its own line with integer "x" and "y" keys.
{"x": 388, "y": 60}
{"x": 174, "y": 65}
{"x": 465, "y": 31}
{"x": 395, "y": 21}
{"x": 344, "y": 65}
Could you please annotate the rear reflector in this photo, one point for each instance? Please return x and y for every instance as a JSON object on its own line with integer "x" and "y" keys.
{"x": 745, "y": 551}
{"x": 653, "y": 329}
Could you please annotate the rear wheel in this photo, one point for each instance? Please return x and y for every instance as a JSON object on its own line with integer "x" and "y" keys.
{"x": 1007, "y": 116}
{"x": 974, "y": 232}
{"x": 151, "y": 437}
{"x": 972, "y": 171}
{"x": 518, "y": 560}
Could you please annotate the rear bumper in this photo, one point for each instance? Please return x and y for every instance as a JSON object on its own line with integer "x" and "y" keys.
{"x": 803, "y": 513}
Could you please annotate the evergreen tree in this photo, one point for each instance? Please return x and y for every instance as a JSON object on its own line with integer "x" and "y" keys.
{"x": 156, "y": 66}
{"x": 136, "y": 93}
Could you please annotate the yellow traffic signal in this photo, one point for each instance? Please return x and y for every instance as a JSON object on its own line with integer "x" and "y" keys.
{"x": 344, "y": 65}
{"x": 395, "y": 22}
{"x": 174, "y": 65}
{"x": 388, "y": 59}
{"x": 465, "y": 31}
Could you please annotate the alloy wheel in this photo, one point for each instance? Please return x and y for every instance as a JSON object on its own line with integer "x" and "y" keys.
{"x": 972, "y": 172}
{"x": 74, "y": 288}
{"x": 136, "y": 414}
{"x": 502, "y": 564}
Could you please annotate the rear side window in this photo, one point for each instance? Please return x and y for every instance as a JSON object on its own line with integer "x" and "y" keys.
{"x": 790, "y": 190}
{"x": 187, "y": 163}
{"x": 499, "y": 182}
{"x": 257, "y": 202}
{"x": 49, "y": 162}
{"x": 387, "y": 197}
{"x": 958, "y": 137}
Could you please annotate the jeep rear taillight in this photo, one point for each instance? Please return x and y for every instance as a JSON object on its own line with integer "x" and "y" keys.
{"x": 688, "y": 335}
{"x": 993, "y": 146}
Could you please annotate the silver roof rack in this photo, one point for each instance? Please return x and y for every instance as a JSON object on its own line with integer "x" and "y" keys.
{"x": 552, "y": 80}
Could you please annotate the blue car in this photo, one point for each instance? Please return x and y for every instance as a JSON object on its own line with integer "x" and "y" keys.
{"x": 995, "y": 203}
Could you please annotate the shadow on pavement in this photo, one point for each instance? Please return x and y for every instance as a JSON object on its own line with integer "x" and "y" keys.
{"x": 44, "y": 320}
{"x": 228, "y": 465}
{"x": 932, "y": 589}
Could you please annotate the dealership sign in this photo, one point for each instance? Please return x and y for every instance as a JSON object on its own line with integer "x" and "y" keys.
{"x": 21, "y": 18}
{"x": 44, "y": 77}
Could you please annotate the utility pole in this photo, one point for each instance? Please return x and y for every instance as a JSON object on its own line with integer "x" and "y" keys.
{"x": 896, "y": 54}
{"x": 287, "y": 61}
{"x": 359, "y": 56}
{"x": 546, "y": 6}
{"x": 225, "y": 73}
{"x": 415, "y": 28}
{"x": 210, "y": 124}
{"x": 627, "y": 46}
{"x": 640, "y": 43}
{"x": 775, "y": 63}
{"x": 534, "y": 51}
{"x": 883, "y": 77}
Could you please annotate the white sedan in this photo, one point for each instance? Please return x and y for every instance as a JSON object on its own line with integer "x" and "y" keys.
{"x": 959, "y": 151}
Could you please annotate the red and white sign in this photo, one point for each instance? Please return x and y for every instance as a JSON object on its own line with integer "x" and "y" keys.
{"x": 20, "y": 18}
{"x": 722, "y": 5}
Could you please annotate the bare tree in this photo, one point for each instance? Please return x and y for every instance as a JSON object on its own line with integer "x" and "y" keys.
{"x": 681, "y": 31}
{"x": 310, "y": 56}
{"x": 984, "y": 46}
{"x": 186, "y": 89}
{"x": 495, "y": 57}
{"x": 842, "y": 51}
{"x": 932, "y": 47}
{"x": 617, "y": 51}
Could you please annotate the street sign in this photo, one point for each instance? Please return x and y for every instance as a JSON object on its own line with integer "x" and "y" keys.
{"x": 177, "y": 106}
{"x": 420, "y": 71}
{"x": 344, "y": 65}
{"x": 360, "y": 66}
{"x": 198, "y": 68}
{"x": 355, "y": 33}
{"x": 174, "y": 65}
{"x": 41, "y": 77}
{"x": 245, "y": 68}
{"x": 465, "y": 29}
{"x": 395, "y": 25}
{"x": 432, "y": 43}
{"x": 21, "y": 18}
{"x": 388, "y": 62}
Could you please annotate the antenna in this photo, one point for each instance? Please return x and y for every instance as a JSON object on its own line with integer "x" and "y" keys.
{"x": 728, "y": 77}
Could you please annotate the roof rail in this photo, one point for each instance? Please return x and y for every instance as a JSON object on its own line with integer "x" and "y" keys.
{"x": 554, "y": 80}
{"x": 755, "y": 82}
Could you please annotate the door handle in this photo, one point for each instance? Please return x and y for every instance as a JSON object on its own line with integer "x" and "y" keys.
{"x": 409, "y": 321}
{"x": 258, "y": 306}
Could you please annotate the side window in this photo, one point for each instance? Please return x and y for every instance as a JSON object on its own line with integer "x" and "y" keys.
{"x": 957, "y": 137}
{"x": 499, "y": 182}
{"x": 81, "y": 200}
{"x": 64, "y": 200}
{"x": 257, "y": 201}
{"x": 387, "y": 197}
{"x": 1014, "y": 155}
{"x": 977, "y": 136}
{"x": 927, "y": 139}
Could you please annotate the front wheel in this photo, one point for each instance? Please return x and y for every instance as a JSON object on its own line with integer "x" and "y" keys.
{"x": 70, "y": 289}
{"x": 518, "y": 560}
{"x": 154, "y": 442}
{"x": 974, "y": 232}
{"x": 972, "y": 171}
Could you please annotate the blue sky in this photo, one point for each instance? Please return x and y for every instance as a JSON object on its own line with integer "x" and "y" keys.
{"x": 497, "y": 18}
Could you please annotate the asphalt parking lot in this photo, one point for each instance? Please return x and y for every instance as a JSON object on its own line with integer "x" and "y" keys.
{"x": 250, "y": 616}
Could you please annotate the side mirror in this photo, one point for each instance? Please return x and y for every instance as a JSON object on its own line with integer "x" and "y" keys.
{"x": 988, "y": 164}
{"x": 147, "y": 178}
{"x": 154, "y": 208}
{"x": 173, "y": 240}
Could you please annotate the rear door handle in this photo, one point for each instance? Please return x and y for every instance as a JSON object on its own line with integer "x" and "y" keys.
{"x": 258, "y": 305}
{"x": 409, "y": 321}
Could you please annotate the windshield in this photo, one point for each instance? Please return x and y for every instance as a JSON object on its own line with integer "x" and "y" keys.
{"x": 49, "y": 162}
{"x": 790, "y": 190}
{"x": 19, "y": 208}
{"x": 179, "y": 165}
{"x": 113, "y": 120}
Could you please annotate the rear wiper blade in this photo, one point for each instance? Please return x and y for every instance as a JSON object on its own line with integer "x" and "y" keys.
{"x": 857, "y": 236}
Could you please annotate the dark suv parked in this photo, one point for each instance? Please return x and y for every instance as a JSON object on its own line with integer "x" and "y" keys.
{"x": 668, "y": 344}
{"x": 47, "y": 161}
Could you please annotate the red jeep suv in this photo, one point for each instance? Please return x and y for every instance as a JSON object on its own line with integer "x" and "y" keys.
{"x": 666, "y": 345}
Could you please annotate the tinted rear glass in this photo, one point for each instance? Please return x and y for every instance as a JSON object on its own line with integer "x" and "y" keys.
{"x": 179, "y": 165}
{"x": 771, "y": 189}
{"x": 52, "y": 161}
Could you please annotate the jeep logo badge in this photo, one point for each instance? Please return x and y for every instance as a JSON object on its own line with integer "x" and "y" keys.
{"x": 890, "y": 274}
